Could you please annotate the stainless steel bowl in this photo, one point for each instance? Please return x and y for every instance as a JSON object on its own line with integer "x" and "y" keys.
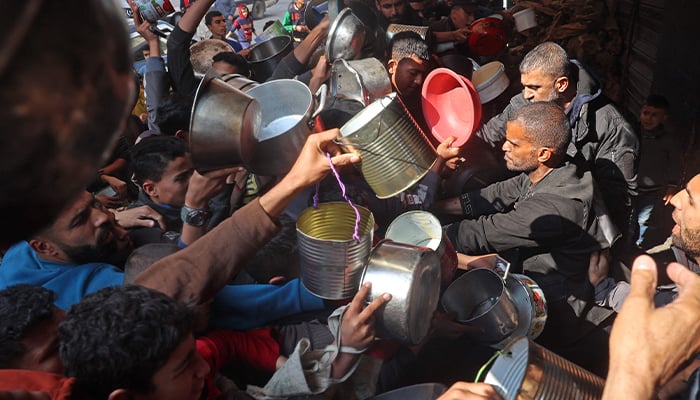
{"x": 345, "y": 37}
{"x": 411, "y": 274}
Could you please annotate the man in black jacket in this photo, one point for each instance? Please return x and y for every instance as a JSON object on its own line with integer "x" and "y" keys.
{"x": 545, "y": 214}
{"x": 600, "y": 135}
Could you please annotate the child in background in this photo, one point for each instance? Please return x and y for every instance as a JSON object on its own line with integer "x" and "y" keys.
{"x": 659, "y": 168}
{"x": 243, "y": 26}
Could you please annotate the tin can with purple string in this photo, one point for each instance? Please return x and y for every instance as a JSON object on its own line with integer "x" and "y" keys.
{"x": 395, "y": 152}
{"x": 331, "y": 260}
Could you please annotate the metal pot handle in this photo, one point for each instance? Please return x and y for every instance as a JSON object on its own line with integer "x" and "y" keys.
{"x": 320, "y": 97}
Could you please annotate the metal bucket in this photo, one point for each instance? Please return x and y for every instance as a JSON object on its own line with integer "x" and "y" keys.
{"x": 363, "y": 80}
{"x": 421, "y": 228}
{"x": 532, "y": 308}
{"x": 332, "y": 261}
{"x": 240, "y": 82}
{"x": 287, "y": 107}
{"x": 528, "y": 371}
{"x": 480, "y": 299}
{"x": 411, "y": 274}
{"x": 224, "y": 122}
{"x": 421, "y": 391}
{"x": 395, "y": 152}
{"x": 265, "y": 56}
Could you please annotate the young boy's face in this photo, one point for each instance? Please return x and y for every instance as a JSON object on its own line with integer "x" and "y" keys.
{"x": 651, "y": 117}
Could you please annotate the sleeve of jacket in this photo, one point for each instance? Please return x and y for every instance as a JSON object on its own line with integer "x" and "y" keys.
{"x": 179, "y": 65}
{"x": 255, "y": 348}
{"x": 202, "y": 269}
{"x": 156, "y": 87}
{"x": 287, "y": 22}
{"x": 541, "y": 221}
{"x": 493, "y": 132}
{"x": 615, "y": 163}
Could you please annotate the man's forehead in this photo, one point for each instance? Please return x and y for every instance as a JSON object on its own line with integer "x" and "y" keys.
{"x": 390, "y": 2}
{"x": 693, "y": 187}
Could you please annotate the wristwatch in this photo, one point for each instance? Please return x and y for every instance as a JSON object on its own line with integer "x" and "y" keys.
{"x": 197, "y": 217}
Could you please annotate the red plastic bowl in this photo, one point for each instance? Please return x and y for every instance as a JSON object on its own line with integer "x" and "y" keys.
{"x": 488, "y": 36}
{"x": 451, "y": 106}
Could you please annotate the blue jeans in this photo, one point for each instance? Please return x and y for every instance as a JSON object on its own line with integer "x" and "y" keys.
{"x": 645, "y": 206}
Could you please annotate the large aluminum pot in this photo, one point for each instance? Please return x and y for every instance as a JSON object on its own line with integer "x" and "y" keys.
{"x": 421, "y": 228}
{"x": 287, "y": 109}
{"x": 411, "y": 274}
{"x": 224, "y": 123}
{"x": 332, "y": 261}
{"x": 395, "y": 152}
{"x": 480, "y": 299}
{"x": 346, "y": 37}
{"x": 264, "y": 56}
{"x": 528, "y": 371}
{"x": 363, "y": 80}
{"x": 420, "y": 391}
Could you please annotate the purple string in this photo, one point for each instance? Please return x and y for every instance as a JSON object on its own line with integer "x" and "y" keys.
{"x": 356, "y": 234}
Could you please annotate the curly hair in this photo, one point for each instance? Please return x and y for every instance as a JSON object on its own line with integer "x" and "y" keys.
{"x": 119, "y": 337}
{"x": 22, "y": 307}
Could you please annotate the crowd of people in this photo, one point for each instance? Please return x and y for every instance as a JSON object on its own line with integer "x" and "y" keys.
{"x": 127, "y": 272}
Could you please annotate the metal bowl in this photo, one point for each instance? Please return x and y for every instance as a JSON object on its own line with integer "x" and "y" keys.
{"x": 345, "y": 37}
{"x": 224, "y": 122}
{"x": 411, "y": 274}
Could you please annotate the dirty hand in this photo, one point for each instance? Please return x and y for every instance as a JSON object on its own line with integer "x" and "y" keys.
{"x": 312, "y": 165}
{"x": 358, "y": 321}
{"x": 205, "y": 186}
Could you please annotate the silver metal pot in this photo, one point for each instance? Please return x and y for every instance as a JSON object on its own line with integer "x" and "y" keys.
{"x": 480, "y": 299}
{"x": 411, "y": 274}
{"x": 224, "y": 122}
{"x": 346, "y": 37}
{"x": 363, "y": 80}
{"x": 287, "y": 109}
{"x": 264, "y": 56}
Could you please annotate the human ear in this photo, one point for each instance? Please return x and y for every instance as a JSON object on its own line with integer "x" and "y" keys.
{"x": 149, "y": 187}
{"x": 561, "y": 84}
{"x": 45, "y": 247}
{"x": 392, "y": 64}
{"x": 544, "y": 154}
{"x": 120, "y": 394}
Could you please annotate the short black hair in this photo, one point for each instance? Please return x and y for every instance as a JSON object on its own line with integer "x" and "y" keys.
{"x": 546, "y": 125}
{"x": 210, "y": 16}
{"x": 173, "y": 114}
{"x": 407, "y": 43}
{"x": 151, "y": 156}
{"x": 657, "y": 101}
{"x": 22, "y": 307}
{"x": 119, "y": 337}
{"x": 235, "y": 60}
